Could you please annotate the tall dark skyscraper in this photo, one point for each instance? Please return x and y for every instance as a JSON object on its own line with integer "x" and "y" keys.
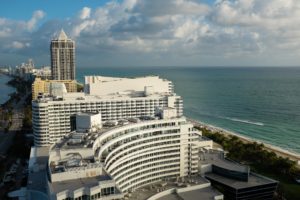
{"x": 62, "y": 57}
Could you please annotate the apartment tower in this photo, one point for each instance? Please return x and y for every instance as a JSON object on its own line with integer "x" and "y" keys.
{"x": 62, "y": 57}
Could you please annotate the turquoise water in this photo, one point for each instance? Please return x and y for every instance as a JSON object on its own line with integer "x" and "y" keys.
{"x": 5, "y": 90}
{"x": 261, "y": 103}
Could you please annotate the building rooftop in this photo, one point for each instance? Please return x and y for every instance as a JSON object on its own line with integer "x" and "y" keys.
{"x": 81, "y": 96}
{"x": 75, "y": 184}
{"x": 74, "y": 165}
{"x": 106, "y": 85}
{"x": 61, "y": 36}
{"x": 253, "y": 180}
{"x": 37, "y": 175}
{"x": 108, "y": 88}
{"x": 207, "y": 193}
{"x": 217, "y": 158}
{"x": 87, "y": 139}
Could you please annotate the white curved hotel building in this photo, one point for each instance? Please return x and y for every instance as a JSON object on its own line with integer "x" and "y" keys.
{"x": 145, "y": 152}
{"x": 118, "y": 136}
{"x": 132, "y": 156}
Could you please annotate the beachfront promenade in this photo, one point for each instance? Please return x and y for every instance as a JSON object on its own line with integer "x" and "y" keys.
{"x": 277, "y": 150}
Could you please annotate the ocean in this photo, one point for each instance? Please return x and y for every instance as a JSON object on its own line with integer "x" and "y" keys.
{"x": 5, "y": 90}
{"x": 262, "y": 103}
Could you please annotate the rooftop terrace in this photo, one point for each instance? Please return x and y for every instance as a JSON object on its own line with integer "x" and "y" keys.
{"x": 75, "y": 184}
{"x": 217, "y": 158}
{"x": 253, "y": 180}
{"x": 177, "y": 188}
{"x": 86, "y": 140}
{"x": 81, "y": 96}
{"x": 207, "y": 193}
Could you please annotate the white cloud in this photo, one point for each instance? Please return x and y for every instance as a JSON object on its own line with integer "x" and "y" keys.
{"x": 85, "y": 25}
{"x": 129, "y": 4}
{"x": 37, "y": 15}
{"x": 186, "y": 30}
{"x": 19, "y": 45}
{"x": 2, "y": 21}
{"x": 5, "y": 32}
{"x": 85, "y": 13}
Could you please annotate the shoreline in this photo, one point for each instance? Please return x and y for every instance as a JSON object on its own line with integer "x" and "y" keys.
{"x": 277, "y": 150}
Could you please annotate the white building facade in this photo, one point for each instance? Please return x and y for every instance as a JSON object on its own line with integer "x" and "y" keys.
{"x": 52, "y": 116}
{"x": 133, "y": 155}
{"x": 100, "y": 85}
{"x": 142, "y": 138}
{"x": 146, "y": 152}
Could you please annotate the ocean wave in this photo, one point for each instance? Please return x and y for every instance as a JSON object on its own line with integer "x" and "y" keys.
{"x": 244, "y": 121}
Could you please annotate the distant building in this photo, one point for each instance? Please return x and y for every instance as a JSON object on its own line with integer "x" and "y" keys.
{"x": 42, "y": 87}
{"x": 44, "y": 73}
{"x": 24, "y": 71}
{"x": 63, "y": 57}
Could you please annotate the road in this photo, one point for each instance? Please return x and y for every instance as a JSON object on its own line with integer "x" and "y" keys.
{"x": 17, "y": 122}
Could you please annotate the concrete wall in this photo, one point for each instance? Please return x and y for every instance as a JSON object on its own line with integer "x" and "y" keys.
{"x": 183, "y": 149}
{"x": 168, "y": 113}
{"x": 191, "y": 188}
{"x": 88, "y": 191}
{"x": 60, "y": 154}
{"x": 85, "y": 121}
{"x": 205, "y": 168}
{"x": 181, "y": 190}
{"x": 162, "y": 194}
{"x": 205, "y": 143}
{"x": 76, "y": 173}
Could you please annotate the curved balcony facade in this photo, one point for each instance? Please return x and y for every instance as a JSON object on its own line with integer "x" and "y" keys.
{"x": 142, "y": 153}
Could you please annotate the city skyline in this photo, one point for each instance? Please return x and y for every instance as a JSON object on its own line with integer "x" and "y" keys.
{"x": 168, "y": 33}
{"x": 150, "y": 100}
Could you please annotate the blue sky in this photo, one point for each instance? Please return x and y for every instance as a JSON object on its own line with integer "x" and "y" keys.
{"x": 23, "y": 9}
{"x": 20, "y": 9}
{"x": 154, "y": 33}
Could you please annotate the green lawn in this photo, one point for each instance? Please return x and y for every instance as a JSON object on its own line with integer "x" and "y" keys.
{"x": 290, "y": 189}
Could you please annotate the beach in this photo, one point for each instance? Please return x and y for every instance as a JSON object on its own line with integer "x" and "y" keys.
{"x": 277, "y": 150}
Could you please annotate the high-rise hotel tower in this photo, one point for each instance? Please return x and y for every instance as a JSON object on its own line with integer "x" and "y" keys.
{"x": 62, "y": 57}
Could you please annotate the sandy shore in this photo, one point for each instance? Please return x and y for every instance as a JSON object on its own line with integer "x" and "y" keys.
{"x": 279, "y": 151}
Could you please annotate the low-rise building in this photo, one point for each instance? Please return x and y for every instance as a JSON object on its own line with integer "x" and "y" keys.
{"x": 42, "y": 87}
{"x": 44, "y": 73}
{"x": 236, "y": 181}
